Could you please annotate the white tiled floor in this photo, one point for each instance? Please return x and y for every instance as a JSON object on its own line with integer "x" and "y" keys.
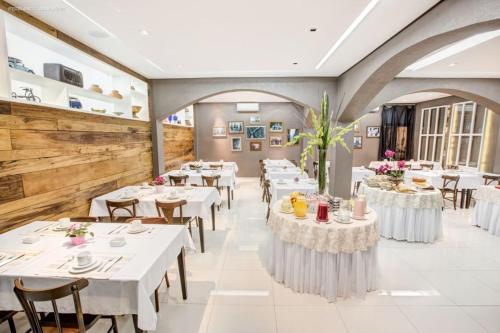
{"x": 450, "y": 286}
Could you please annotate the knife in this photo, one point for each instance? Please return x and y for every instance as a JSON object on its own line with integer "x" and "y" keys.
{"x": 112, "y": 263}
{"x": 11, "y": 259}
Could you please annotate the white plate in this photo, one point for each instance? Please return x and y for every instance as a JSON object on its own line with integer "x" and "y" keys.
{"x": 59, "y": 228}
{"x": 74, "y": 270}
{"x": 76, "y": 267}
{"x": 286, "y": 212}
{"x": 189, "y": 188}
{"x": 350, "y": 221}
{"x": 136, "y": 231}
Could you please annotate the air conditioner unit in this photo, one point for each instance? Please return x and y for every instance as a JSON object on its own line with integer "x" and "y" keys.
{"x": 247, "y": 107}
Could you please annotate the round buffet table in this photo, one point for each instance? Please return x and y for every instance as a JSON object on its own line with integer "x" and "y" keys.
{"x": 487, "y": 209}
{"x": 402, "y": 216}
{"x": 332, "y": 260}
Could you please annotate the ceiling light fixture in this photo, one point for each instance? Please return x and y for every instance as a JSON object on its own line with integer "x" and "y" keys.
{"x": 454, "y": 49}
{"x": 87, "y": 17}
{"x": 349, "y": 30}
{"x": 154, "y": 65}
{"x": 144, "y": 32}
{"x": 453, "y": 64}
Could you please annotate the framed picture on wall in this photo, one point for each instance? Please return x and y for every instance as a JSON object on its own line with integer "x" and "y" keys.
{"x": 355, "y": 128}
{"x": 276, "y": 126}
{"x": 357, "y": 142}
{"x": 255, "y": 132}
{"x": 235, "y": 127}
{"x": 373, "y": 131}
{"x": 275, "y": 141}
{"x": 255, "y": 145}
{"x": 292, "y": 133}
{"x": 236, "y": 144}
{"x": 255, "y": 119}
{"x": 219, "y": 132}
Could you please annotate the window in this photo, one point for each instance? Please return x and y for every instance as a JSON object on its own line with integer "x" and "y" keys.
{"x": 432, "y": 133}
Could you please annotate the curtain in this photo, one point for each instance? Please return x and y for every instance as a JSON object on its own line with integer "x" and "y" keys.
{"x": 398, "y": 123}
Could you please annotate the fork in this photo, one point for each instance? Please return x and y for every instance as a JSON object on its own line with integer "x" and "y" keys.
{"x": 106, "y": 262}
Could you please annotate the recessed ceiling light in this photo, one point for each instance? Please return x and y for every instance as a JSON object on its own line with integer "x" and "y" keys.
{"x": 313, "y": 29}
{"x": 144, "y": 32}
{"x": 349, "y": 31}
{"x": 98, "y": 34}
{"x": 453, "y": 64}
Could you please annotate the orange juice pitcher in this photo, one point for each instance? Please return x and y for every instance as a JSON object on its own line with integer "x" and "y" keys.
{"x": 300, "y": 207}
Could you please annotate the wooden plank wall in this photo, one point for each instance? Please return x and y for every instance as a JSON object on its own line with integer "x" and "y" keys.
{"x": 53, "y": 162}
{"x": 178, "y": 146}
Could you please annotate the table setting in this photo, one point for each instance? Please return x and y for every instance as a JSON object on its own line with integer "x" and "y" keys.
{"x": 278, "y": 163}
{"x": 226, "y": 165}
{"x": 487, "y": 210}
{"x": 122, "y": 276}
{"x": 313, "y": 249}
{"x": 282, "y": 187}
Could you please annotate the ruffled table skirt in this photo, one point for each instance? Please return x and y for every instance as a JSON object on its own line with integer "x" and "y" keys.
{"x": 409, "y": 224}
{"x": 487, "y": 216}
{"x": 330, "y": 275}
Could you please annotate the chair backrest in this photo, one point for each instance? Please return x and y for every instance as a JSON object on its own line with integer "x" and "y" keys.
{"x": 215, "y": 166}
{"x": 84, "y": 219}
{"x": 267, "y": 191}
{"x": 192, "y": 167}
{"x": 294, "y": 162}
{"x": 175, "y": 180}
{"x": 168, "y": 208}
{"x": 490, "y": 179}
{"x": 315, "y": 169}
{"x": 429, "y": 166}
{"x": 28, "y": 298}
{"x": 126, "y": 205}
{"x": 210, "y": 180}
{"x": 452, "y": 167}
{"x": 149, "y": 220}
{"x": 450, "y": 182}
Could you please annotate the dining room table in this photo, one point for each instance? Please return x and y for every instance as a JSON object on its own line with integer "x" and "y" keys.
{"x": 411, "y": 164}
{"x": 328, "y": 259}
{"x": 412, "y": 216}
{"x": 487, "y": 209}
{"x": 283, "y": 187}
{"x": 227, "y": 179}
{"x": 200, "y": 202}
{"x": 268, "y": 163}
{"x": 121, "y": 278}
{"x": 276, "y": 172}
{"x": 225, "y": 165}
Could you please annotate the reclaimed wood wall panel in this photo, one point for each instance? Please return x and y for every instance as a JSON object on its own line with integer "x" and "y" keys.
{"x": 53, "y": 162}
{"x": 178, "y": 146}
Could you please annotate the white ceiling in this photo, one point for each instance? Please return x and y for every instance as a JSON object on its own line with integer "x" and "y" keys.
{"x": 244, "y": 96}
{"x": 418, "y": 97}
{"x": 222, "y": 38}
{"x": 480, "y": 61}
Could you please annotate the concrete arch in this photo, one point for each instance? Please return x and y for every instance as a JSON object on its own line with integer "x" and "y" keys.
{"x": 170, "y": 96}
{"x": 449, "y": 22}
{"x": 483, "y": 91}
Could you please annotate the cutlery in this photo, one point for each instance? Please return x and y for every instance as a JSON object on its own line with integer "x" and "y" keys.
{"x": 113, "y": 263}
{"x": 123, "y": 227}
{"x": 11, "y": 259}
{"x": 107, "y": 261}
{"x": 43, "y": 228}
{"x": 65, "y": 262}
{"x": 115, "y": 229}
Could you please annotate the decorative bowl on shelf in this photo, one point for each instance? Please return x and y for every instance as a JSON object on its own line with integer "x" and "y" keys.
{"x": 118, "y": 113}
{"x": 135, "y": 110}
{"x": 115, "y": 94}
{"x": 96, "y": 88}
{"x": 98, "y": 110}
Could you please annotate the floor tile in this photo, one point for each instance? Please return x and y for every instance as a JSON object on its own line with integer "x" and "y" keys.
{"x": 242, "y": 319}
{"x": 375, "y": 319}
{"x": 487, "y": 316}
{"x": 304, "y": 319}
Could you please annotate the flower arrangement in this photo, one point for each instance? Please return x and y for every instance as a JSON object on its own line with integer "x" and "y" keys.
{"x": 324, "y": 136}
{"x": 387, "y": 169}
{"x": 159, "y": 181}
{"x": 77, "y": 232}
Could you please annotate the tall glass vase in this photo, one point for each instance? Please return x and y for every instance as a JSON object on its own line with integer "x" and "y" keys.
{"x": 322, "y": 181}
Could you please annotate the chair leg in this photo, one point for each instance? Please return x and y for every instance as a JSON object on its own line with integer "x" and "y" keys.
{"x": 157, "y": 301}
{"x": 12, "y": 326}
{"x": 455, "y": 200}
{"x": 115, "y": 325}
{"x": 167, "y": 280}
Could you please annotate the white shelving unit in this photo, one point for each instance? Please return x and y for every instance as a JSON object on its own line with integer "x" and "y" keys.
{"x": 34, "y": 48}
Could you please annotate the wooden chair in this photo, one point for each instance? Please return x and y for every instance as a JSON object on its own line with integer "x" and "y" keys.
{"x": 176, "y": 180}
{"x": 267, "y": 197}
{"x": 490, "y": 179}
{"x": 217, "y": 166}
{"x": 294, "y": 163}
{"x": 427, "y": 166}
{"x": 89, "y": 219}
{"x": 126, "y": 205}
{"x": 315, "y": 169}
{"x": 450, "y": 184}
{"x": 211, "y": 181}
{"x": 452, "y": 167}
{"x": 8, "y": 316}
{"x": 192, "y": 167}
{"x": 72, "y": 322}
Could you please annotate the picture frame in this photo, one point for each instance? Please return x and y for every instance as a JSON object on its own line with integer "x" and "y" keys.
{"x": 276, "y": 141}
{"x": 276, "y": 126}
{"x": 292, "y": 133}
{"x": 255, "y": 132}
{"x": 219, "y": 132}
{"x": 255, "y": 145}
{"x": 235, "y": 127}
{"x": 236, "y": 143}
{"x": 357, "y": 142}
{"x": 355, "y": 128}
{"x": 373, "y": 131}
{"x": 255, "y": 119}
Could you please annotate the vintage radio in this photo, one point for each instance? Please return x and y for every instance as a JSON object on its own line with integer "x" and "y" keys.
{"x": 64, "y": 74}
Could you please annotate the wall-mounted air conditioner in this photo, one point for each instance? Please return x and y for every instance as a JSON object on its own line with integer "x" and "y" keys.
{"x": 247, "y": 107}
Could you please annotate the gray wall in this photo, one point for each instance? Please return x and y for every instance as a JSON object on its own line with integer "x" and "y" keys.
{"x": 369, "y": 151}
{"x": 208, "y": 115}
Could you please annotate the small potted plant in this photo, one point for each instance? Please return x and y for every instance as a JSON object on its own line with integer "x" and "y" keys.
{"x": 158, "y": 182}
{"x": 395, "y": 172}
{"x": 76, "y": 233}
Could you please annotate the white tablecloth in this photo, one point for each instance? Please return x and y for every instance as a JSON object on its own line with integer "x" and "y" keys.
{"x": 206, "y": 165}
{"x": 468, "y": 180}
{"x": 278, "y": 163}
{"x": 127, "y": 291}
{"x": 413, "y": 164}
{"x": 487, "y": 209}
{"x": 332, "y": 260}
{"x": 199, "y": 201}
{"x": 288, "y": 173}
{"x": 305, "y": 186}
{"x": 411, "y": 217}
{"x": 227, "y": 176}
{"x": 359, "y": 173}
